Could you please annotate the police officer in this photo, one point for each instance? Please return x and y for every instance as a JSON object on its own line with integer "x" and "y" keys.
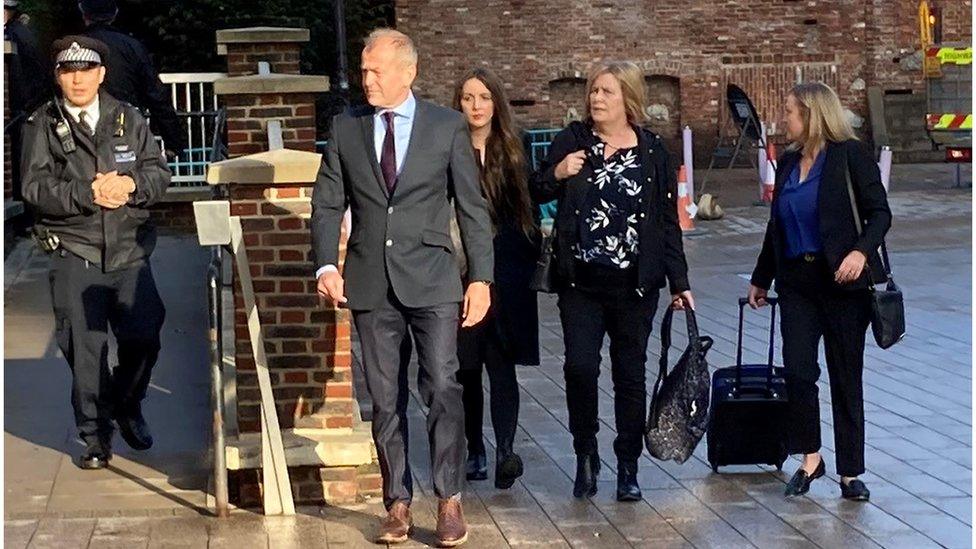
{"x": 131, "y": 76}
{"x": 91, "y": 169}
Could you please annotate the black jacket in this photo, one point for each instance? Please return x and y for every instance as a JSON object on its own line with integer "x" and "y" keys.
{"x": 838, "y": 231}
{"x": 59, "y": 184}
{"x": 660, "y": 252}
{"x": 130, "y": 76}
{"x": 30, "y": 76}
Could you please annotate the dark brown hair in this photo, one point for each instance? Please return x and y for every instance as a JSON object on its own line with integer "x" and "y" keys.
{"x": 504, "y": 179}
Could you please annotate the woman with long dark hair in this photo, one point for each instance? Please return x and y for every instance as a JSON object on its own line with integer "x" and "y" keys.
{"x": 510, "y": 333}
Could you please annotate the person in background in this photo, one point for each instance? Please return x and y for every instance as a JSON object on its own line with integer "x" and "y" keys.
{"x": 509, "y": 335}
{"x": 131, "y": 75}
{"x": 823, "y": 263}
{"x": 617, "y": 242}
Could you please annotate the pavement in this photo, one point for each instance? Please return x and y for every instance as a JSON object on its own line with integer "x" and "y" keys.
{"x": 917, "y": 394}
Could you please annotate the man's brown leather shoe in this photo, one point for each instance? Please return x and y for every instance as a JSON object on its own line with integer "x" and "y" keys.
{"x": 396, "y": 526}
{"x": 452, "y": 530}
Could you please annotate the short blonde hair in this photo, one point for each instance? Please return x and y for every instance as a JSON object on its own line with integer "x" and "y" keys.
{"x": 631, "y": 84}
{"x": 823, "y": 116}
{"x": 402, "y": 44}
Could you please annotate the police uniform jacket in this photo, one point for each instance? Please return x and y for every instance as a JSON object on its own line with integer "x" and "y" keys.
{"x": 59, "y": 184}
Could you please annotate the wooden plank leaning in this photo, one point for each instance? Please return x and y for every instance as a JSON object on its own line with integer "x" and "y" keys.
{"x": 277, "y": 487}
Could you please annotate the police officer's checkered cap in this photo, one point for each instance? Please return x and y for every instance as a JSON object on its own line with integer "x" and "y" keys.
{"x": 78, "y": 51}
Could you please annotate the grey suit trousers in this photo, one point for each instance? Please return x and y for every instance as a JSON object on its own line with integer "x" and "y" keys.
{"x": 382, "y": 332}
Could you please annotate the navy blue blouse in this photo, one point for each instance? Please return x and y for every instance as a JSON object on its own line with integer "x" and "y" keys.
{"x": 608, "y": 220}
{"x": 798, "y": 212}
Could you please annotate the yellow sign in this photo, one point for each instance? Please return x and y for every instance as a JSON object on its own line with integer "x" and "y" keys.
{"x": 955, "y": 56}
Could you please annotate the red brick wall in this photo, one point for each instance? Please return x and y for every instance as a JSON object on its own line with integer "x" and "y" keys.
{"x": 851, "y": 44}
{"x": 243, "y": 58}
{"x": 7, "y": 166}
{"x": 174, "y": 217}
{"x": 248, "y": 116}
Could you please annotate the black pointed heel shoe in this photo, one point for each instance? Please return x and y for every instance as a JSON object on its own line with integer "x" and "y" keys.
{"x": 855, "y": 490}
{"x": 800, "y": 483}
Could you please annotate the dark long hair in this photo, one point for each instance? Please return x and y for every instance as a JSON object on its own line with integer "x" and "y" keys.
{"x": 504, "y": 179}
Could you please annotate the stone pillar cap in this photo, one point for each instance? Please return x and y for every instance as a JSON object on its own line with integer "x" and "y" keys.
{"x": 9, "y": 47}
{"x": 270, "y": 167}
{"x": 255, "y": 35}
{"x": 271, "y": 83}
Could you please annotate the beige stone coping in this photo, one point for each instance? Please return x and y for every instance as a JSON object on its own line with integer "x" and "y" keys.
{"x": 278, "y": 166}
{"x": 321, "y": 447}
{"x": 9, "y": 47}
{"x": 271, "y": 83}
{"x": 254, "y": 35}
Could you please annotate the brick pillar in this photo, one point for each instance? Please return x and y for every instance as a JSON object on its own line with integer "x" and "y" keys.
{"x": 7, "y": 158}
{"x": 244, "y": 48}
{"x": 307, "y": 343}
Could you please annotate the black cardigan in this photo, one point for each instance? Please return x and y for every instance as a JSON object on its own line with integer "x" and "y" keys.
{"x": 660, "y": 253}
{"x": 838, "y": 231}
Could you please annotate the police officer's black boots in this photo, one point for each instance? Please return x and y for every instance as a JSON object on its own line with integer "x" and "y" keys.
{"x": 95, "y": 456}
{"x": 133, "y": 428}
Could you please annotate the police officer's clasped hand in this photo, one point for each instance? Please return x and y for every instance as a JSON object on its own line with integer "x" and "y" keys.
{"x": 112, "y": 190}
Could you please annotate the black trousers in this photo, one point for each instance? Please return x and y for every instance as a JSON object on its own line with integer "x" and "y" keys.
{"x": 87, "y": 302}
{"x": 812, "y": 308}
{"x": 627, "y": 318}
{"x": 480, "y": 348}
{"x": 382, "y": 332}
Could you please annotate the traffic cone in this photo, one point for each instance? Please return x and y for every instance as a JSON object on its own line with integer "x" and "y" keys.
{"x": 769, "y": 181}
{"x": 686, "y": 207}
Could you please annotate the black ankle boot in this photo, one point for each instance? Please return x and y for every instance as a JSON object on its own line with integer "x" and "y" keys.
{"x": 508, "y": 467}
{"x": 587, "y": 471}
{"x": 477, "y": 466}
{"x": 627, "y": 487}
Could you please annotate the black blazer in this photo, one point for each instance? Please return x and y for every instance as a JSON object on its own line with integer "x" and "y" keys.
{"x": 660, "y": 255}
{"x": 838, "y": 231}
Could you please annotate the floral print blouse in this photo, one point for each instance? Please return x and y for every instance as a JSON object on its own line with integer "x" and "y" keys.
{"x": 608, "y": 218}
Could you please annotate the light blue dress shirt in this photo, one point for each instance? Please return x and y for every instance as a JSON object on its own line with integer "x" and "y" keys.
{"x": 402, "y": 124}
{"x": 403, "y": 115}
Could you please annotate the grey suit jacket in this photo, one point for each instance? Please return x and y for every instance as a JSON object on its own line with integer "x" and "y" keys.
{"x": 403, "y": 238}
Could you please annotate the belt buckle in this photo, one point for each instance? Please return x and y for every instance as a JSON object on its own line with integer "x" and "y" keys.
{"x": 809, "y": 258}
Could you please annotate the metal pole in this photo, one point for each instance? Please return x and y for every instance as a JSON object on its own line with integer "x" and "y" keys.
{"x": 343, "y": 62}
{"x": 216, "y": 383}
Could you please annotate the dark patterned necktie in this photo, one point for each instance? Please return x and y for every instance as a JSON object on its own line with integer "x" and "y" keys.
{"x": 388, "y": 154}
{"x": 83, "y": 122}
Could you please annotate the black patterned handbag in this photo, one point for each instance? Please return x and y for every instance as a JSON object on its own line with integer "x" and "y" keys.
{"x": 543, "y": 278}
{"x": 887, "y": 303}
{"x": 678, "y": 415}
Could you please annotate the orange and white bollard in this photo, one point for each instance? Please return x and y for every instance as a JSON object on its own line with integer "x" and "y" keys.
{"x": 769, "y": 181}
{"x": 686, "y": 207}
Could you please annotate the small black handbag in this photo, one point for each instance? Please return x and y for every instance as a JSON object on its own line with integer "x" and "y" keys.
{"x": 887, "y": 303}
{"x": 543, "y": 279}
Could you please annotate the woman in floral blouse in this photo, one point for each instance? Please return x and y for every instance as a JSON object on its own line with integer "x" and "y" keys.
{"x": 617, "y": 242}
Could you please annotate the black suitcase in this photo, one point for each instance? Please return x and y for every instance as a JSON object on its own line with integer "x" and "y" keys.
{"x": 748, "y": 409}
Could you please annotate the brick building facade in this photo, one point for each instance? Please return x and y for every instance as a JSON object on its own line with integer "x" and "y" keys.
{"x": 689, "y": 50}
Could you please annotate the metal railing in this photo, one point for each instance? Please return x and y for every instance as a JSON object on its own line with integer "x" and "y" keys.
{"x": 196, "y": 104}
{"x": 537, "y": 144}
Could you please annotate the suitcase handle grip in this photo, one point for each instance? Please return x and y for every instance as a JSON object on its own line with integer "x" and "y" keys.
{"x": 743, "y": 301}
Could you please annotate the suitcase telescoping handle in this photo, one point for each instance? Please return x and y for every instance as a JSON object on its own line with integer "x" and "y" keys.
{"x": 743, "y": 301}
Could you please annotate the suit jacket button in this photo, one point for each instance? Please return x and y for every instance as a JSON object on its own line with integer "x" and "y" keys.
{"x": 642, "y": 215}
{"x": 389, "y": 243}
{"x": 389, "y": 210}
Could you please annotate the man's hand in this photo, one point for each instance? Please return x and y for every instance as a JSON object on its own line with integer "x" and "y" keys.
{"x": 683, "y": 300}
{"x": 477, "y": 299}
{"x": 112, "y": 190}
{"x": 850, "y": 269}
{"x": 331, "y": 286}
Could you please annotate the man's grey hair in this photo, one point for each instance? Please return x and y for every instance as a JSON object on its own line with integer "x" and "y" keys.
{"x": 402, "y": 43}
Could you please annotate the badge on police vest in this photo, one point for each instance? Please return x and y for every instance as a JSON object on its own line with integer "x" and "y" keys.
{"x": 125, "y": 156}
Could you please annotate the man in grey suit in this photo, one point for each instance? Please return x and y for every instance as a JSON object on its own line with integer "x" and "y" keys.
{"x": 395, "y": 164}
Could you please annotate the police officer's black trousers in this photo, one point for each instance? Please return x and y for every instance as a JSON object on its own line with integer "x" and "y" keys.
{"x": 813, "y": 308}
{"x": 87, "y": 302}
